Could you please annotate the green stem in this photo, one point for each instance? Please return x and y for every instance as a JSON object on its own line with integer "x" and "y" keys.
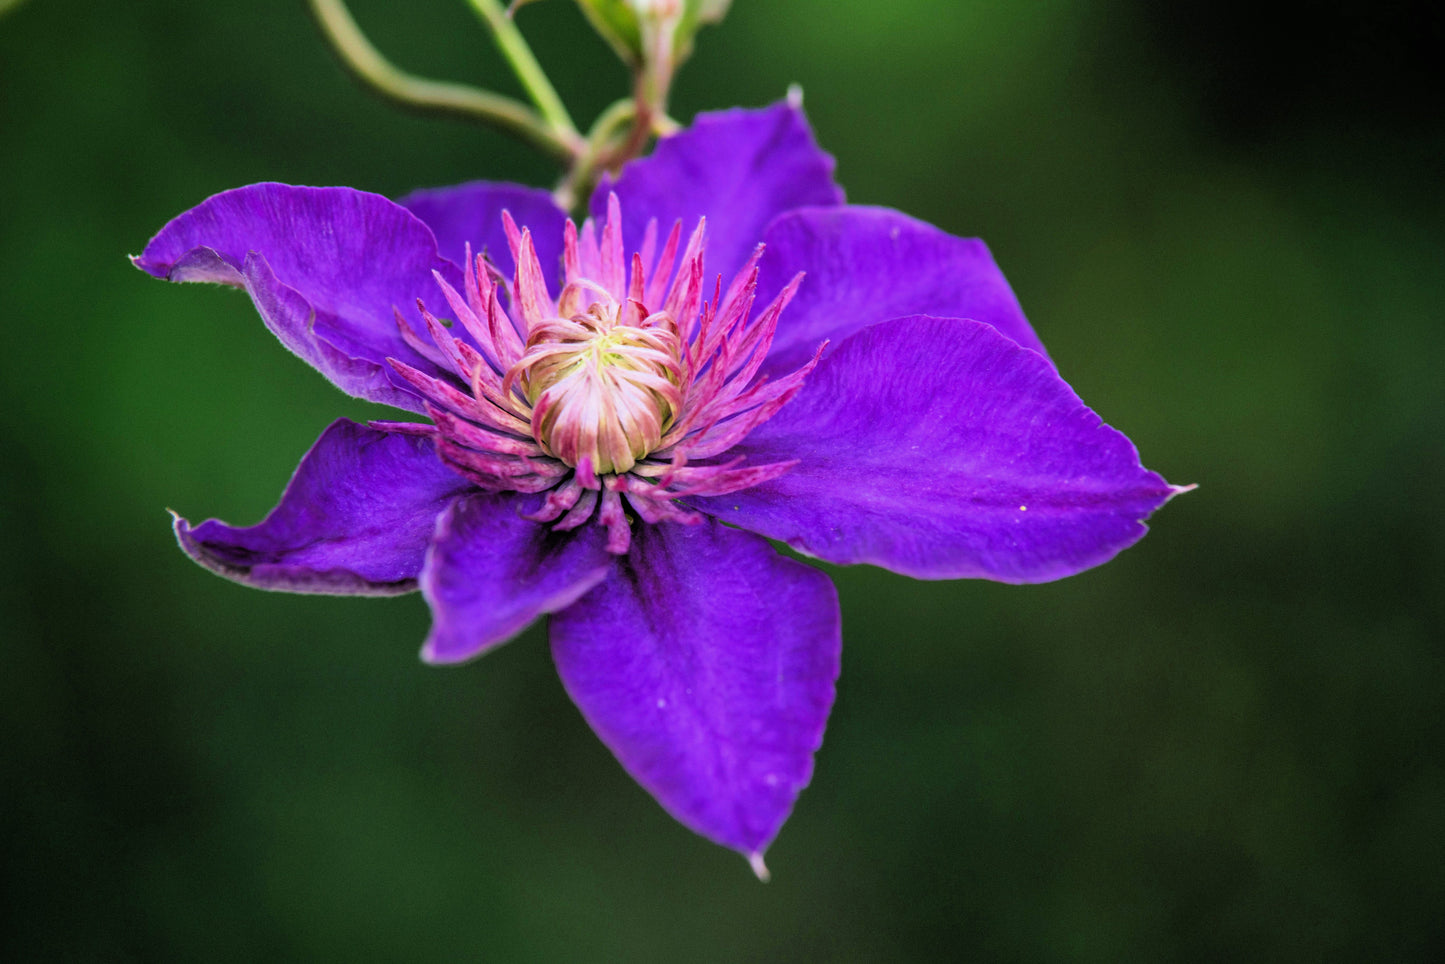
{"x": 367, "y": 63}
{"x": 598, "y": 147}
{"x": 513, "y": 47}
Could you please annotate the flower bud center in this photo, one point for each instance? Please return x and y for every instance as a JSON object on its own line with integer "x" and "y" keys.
{"x": 599, "y": 389}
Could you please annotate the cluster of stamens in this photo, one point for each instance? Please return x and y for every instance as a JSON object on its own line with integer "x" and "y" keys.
{"x": 624, "y": 392}
{"x": 604, "y": 390}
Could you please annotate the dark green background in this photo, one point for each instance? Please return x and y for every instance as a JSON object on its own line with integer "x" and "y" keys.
{"x": 1225, "y": 220}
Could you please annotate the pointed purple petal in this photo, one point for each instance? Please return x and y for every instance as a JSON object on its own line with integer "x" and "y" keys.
{"x": 937, "y": 448}
{"x": 354, "y": 520}
{"x": 325, "y": 267}
{"x": 739, "y": 168}
{"x": 706, "y": 662}
{"x": 472, "y": 214}
{"x": 866, "y": 265}
{"x": 490, "y": 572}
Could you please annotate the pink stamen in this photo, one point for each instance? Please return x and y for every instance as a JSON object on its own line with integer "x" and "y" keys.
{"x": 662, "y": 270}
{"x": 405, "y": 428}
{"x": 614, "y": 259}
{"x": 611, "y": 515}
{"x": 533, "y": 301}
{"x": 559, "y": 500}
{"x": 580, "y": 512}
{"x": 416, "y": 343}
{"x": 628, "y": 372}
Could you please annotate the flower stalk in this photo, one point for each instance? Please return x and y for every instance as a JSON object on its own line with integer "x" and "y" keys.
{"x": 371, "y": 67}
{"x": 519, "y": 55}
{"x": 619, "y": 134}
{"x": 599, "y": 152}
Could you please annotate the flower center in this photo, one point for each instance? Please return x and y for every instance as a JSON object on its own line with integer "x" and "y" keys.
{"x": 602, "y": 389}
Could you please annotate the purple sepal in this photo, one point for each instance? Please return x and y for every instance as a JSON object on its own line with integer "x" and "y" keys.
{"x": 471, "y": 213}
{"x": 937, "y": 448}
{"x": 491, "y": 572}
{"x": 355, "y": 519}
{"x": 865, "y": 265}
{"x": 738, "y": 168}
{"x": 325, "y": 268}
{"x": 706, "y": 662}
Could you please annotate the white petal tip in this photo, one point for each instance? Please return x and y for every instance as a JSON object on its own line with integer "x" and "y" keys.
{"x": 760, "y": 869}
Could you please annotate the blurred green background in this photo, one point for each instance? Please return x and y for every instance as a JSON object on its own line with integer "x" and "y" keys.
{"x": 1224, "y": 219}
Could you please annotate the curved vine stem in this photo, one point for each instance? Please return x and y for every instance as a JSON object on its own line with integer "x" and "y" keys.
{"x": 620, "y": 133}
{"x": 368, "y": 65}
{"x": 534, "y": 80}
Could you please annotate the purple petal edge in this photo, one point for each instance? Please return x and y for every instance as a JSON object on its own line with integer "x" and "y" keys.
{"x": 326, "y": 267}
{"x": 355, "y": 519}
{"x": 938, "y": 448}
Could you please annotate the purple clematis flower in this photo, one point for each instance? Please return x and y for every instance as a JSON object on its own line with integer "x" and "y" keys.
{"x": 614, "y": 446}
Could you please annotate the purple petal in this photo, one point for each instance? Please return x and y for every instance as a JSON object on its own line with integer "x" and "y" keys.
{"x": 354, "y": 520}
{"x": 706, "y": 662}
{"x": 739, "y": 168}
{"x": 866, "y": 265}
{"x": 937, "y": 448}
{"x": 472, "y": 214}
{"x": 325, "y": 267}
{"x": 490, "y": 572}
